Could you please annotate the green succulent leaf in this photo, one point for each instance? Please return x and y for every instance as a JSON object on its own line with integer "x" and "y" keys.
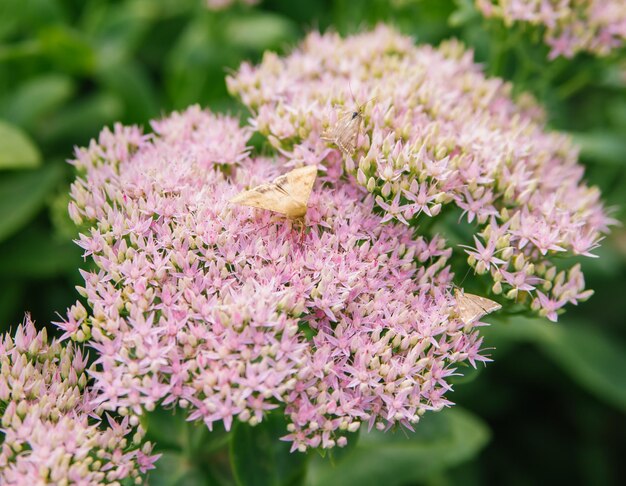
{"x": 17, "y": 150}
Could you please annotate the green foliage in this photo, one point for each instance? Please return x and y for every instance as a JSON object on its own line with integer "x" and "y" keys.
{"x": 260, "y": 458}
{"x": 440, "y": 441}
{"x": 18, "y": 151}
{"x": 192, "y": 455}
{"x": 586, "y": 354}
{"x": 556, "y": 393}
{"x": 23, "y": 194}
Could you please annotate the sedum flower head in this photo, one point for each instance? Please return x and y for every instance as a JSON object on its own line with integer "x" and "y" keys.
{"x": 570, "y": 26}
{"x": 232, "y": 312}
{"x": 50, "y": 433}
{"x": 439, "y": 134}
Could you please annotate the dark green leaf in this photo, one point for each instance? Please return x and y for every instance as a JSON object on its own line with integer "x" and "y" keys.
{"x": 134, "y": 87}
{"x": 592, "y": 359}
{"x": 195, "y": 64}
{"x": 81, "y": 121}
{"x": 260, "y": 458}
{"x": 192, "y": 453}
{"x": 12, "y": 291}
{"x": 171, "y": 431}
{"x": 38, "y": 97}
{"x": 23, "y": 194}
{"x": 118, "y": 28}
{"x": 68, "y": 49}
{"x": 175, "y": 469}
{"x": 589, "y": 357}
{"x": 17, "y": 150}
{"x": 440, "y": 441}
{"x": 35, "y": 254}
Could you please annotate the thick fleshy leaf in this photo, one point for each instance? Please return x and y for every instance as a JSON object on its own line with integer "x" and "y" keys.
{"x": 260, "y": 458}
{"x": 592, "y": 359}
{"x": 23, "y": 194}
{"x": 17, "y": 150}
{"x": 440, "y": 441}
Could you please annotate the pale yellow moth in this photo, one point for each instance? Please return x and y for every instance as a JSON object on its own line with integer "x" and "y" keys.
{"x": 288, "y": 194}
{"x": 345, "y": 133}
{"x": 472, "y": 307}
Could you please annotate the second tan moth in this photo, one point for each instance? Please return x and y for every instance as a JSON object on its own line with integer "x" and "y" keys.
{"x": 345, "y": 133}
{"x": 288, "y": 194}
{"x": 472, "y": 307}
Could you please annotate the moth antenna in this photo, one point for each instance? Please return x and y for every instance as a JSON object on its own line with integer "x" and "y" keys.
{"x": 351, "y": 93}
{"x": 466, "y": 274}
{"x": 369, "y": 101}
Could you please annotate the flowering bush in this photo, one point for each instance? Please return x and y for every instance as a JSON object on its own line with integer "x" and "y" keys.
{"x": 597, "y": 26}
{"x": 49, "y": 426}
{"x": 439, "y": 133}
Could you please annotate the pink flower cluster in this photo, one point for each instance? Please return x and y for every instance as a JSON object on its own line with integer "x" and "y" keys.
{"x": 49, "y": 433}
{"x": 439, "y": 136}
{"x": 231, "y": 312}
{"x": 570, "y": 26}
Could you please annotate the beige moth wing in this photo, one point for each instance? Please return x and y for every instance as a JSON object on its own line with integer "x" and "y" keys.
{"x": 288, "y": 194}
{"x": 472, "y": 307}
{"x": 345, "y": 133}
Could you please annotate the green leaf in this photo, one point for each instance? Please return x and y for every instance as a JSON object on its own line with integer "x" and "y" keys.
{"x": 259, "y": 31}
{"x": 10, "y": 296}
{"x": 260, "y": 458}
{"x": 171, "y": 431}
{"x": 592, "y": 359}
{"x": 440, "y": 441}
{"x": 192, "y": 454}
{"x": 596, "y": 362}
{"x": 83, "y": 120}
{"x": 133, "y": 85}
{"x": 464, "y": 13}
{"x": 37, "y": 97}
{"x": 605, "y": 147}
{"x": 17, "y": 150}
{"x": 195, "y": 64}
{"x": 23, "y": 194}
{"x": 175, "y": 469}
{"x": 67, "y": 49}
{"x": 26, "y": 15}
{"x": 35, "y": 254}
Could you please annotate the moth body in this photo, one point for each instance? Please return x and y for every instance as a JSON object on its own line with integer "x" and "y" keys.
{"x": 472, "y": 307}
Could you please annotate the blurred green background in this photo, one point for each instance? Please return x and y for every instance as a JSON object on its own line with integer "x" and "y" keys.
{"x": 550, "y": 409}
